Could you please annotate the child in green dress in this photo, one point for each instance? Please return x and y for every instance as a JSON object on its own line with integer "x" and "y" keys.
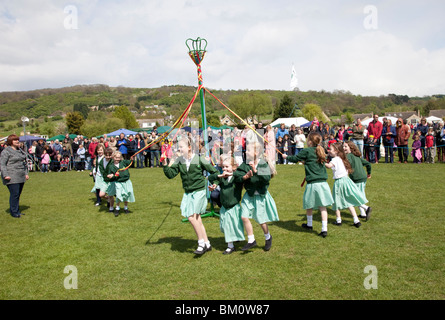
{"x": 317, "y": 194}
{"x": 257, "y": 203}
{"x": 191, "y": 168}
{"x": 120, "y": 184}
{"x": 345, "y": 192}
{"x": 359, "y": 176}
{"x": 231, "y": 223}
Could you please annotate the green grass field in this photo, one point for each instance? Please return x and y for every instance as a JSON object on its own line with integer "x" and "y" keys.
{"x": 148, "y": 254}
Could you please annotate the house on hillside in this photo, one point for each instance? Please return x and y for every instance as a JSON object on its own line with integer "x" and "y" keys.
{"x": 149, "y": 123}
{"x": 437, "y": 113}
{"x": 226, "y": 120}
{"x": 361, "y": 116}
{"x": 411, "y": 117}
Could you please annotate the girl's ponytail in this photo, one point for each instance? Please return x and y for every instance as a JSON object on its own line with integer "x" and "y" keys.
{"x": 321, "y": 155}
{"x": 315, "y": 139}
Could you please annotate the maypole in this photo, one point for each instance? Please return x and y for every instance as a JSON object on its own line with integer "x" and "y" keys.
{"x": 197, "y": 52}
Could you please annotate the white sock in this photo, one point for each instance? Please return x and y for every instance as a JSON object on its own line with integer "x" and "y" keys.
{"x": 117, "y": 208}
{"x": 230, "y": 245}
{"x": 250, "y": 238}
{"x": 267, "y": 235}
{"x": 356, "y": 219}
{"x": 324, "y": 226}
{"x": 309, "y": 221}
{"x": 339, "y": 219}
{"x": 207, "y": 243}
{"x": 201, "y": 245}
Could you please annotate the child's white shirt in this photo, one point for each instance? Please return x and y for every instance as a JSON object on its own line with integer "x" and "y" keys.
{"x": 339, "y": 169}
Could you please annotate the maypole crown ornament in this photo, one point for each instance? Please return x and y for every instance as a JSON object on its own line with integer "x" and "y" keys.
{"x": 197, "y": 49}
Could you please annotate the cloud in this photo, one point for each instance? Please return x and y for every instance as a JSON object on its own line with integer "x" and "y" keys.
{"x": 251, "y": 45}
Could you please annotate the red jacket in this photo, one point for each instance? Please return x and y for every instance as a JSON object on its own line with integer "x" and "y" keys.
{"x": 375, "y": 129}
{"x": 429, "y": 141}
{"x": 92, "y": 149}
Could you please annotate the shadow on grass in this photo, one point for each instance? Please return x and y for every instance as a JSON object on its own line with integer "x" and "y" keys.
{"x": 22, "y": 209}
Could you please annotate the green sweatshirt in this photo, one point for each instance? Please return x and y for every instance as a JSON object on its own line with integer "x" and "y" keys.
{"x": 315, "y": 172}
{"x": 359, "y": 174}
{"x": 230, "y": 193}
{"x": 192, "y": 179}
{"x": 258, "y": 182}
{"x": 124, "y": 175}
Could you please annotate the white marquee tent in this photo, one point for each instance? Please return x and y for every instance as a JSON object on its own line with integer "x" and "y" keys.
{"x": 298, "y": 121}
{"x": 367, "y": 121}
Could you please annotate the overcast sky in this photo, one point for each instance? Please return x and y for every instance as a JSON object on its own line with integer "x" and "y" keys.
{"x": 365, "y": 47}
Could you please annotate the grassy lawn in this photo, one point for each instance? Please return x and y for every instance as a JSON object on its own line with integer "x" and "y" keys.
{"x": 148, "y": 254}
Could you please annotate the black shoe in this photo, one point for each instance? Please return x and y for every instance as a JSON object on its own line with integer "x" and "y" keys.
{"x": 126, "y": 210}
{"x": 323, "y": 234}
{"x": 337, "y": 223}
{"x": 229, "y": 250}
{"x": 202, "y": 251}
{"x": 368, "y": 213}
{"x": 249, "y": 246}
{"x": 116, "y": 213}
{"x": 15, "y": 215}
{"x": 305, "y": 226}
{"x": 209, "y": 248}
{"x": 268, "y": 244}
{"x": 358, "y": 224}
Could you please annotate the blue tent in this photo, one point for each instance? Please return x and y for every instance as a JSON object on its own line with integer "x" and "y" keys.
{"x": 306, "y": 125}
{"x": 28, "y": 138}
{"x": 119, "y": 131}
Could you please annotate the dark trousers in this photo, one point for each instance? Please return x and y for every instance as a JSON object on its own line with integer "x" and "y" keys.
{"x": 389, "y": 154}
{"x": 15, "y": 191}
{"x": 403, "y": 153}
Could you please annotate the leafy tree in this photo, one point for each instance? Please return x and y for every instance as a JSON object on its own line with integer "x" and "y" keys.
{"x": 311, "y": 110}
{"x": 250, "y": 104}
{"x": 82, "y": 108}
{"x": 74, "y": 121}
{"x": 48, "y": 128}
{"x": 284, "y": 109}
{"x": 124, "y": 114}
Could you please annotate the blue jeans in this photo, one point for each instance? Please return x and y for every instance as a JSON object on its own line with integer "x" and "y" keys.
{"x": 140, "y": 160}
{"x": 359, "y": 144}
{"x": 297, "y": 150}
{"x": 155, "y": 154}
{"x": 15, "y": 190}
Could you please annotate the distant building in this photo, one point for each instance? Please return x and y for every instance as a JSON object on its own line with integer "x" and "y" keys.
{"x": 437, "y": 113}
{"x": 149, "y": 123}
{"x": 411, "y": 117}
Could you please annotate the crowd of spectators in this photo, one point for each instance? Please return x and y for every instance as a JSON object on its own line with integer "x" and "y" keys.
{"x": 377, "y": 141}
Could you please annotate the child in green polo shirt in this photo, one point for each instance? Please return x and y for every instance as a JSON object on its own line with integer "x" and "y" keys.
{"x": 191, "y": 167}
{"x": 359, "y": 176}
{"x": 120, "y": 183}
{"x": 230, "y": 220}
{"x": 317, "y": 194}
{"x": 257, "y": 203}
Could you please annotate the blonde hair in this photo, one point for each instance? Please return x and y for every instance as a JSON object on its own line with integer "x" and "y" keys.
{"x": 258, "y": 146}
{"x": 115, "y": 153}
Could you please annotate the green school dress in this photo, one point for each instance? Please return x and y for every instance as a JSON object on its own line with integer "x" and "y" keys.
{"x": 230, "y": 222}
{"x": 194, "y": 183}
{"x": 121, "y": 186}
{"x": 317, "y": 193}
{"x": 257, "y": 203}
